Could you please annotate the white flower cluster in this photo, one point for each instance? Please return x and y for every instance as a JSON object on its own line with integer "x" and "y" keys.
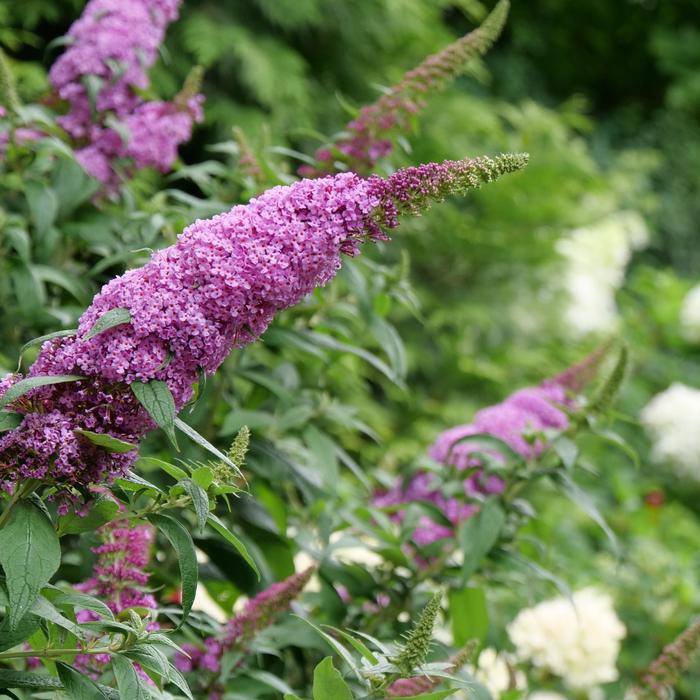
{"x": 576, "y": 640}
{"x": 596, "y": 258}
{"x": 545, "y": 695}
{"x": 690, "y": 316}
{"x": 672, "y": 419}
{"x": 497, "y": 673}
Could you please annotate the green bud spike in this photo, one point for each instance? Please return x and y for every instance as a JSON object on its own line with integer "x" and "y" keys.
{"x": 415, "y": 650}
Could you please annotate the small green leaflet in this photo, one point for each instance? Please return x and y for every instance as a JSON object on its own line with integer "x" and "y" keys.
{"x": 25, "y": 385}
{"x": 9, "y": 421}
{"x": 155, "y": 396}
{"x": 109, "y": 319}
{"x": 215, "y": 522}
{"x": 479, "y": 534}
{"x": 328, "y": 683}
{"x": 37, "y": 681}
{"x": 200, "y": 502}
{"x": 102, "y": 511}
{"x": 30, "y": 554}
{"x": 181, "y": 540}
{"x": 109, "y": 442}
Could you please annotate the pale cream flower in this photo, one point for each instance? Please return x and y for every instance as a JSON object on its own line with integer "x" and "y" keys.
{"x": 690, "y": 316}
{"x": 578, "y": 640}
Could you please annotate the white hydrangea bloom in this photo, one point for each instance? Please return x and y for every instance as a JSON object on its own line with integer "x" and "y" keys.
{"x": 546, "y": 695}
{"x": 690, "y": 315}
{"x": 596, "y": 258}
{"x": 496, "y": 672}
{"x": 672, "y": 419}
{"x": 578, "y": 641}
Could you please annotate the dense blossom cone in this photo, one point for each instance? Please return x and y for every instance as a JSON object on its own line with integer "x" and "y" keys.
{"x": 526, "y": 413}
{"x": 217, "y": 288}
{"x": 110, "y": 49}
{"x": 369, "y": 134}
{"x": 259, "y": 612}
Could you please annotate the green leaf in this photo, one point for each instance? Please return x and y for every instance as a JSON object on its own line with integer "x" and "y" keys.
{"x": 203, "y": 476}
{"x": 128, "y": 682}
{"x": 435, "y": 695}
{"x": 155, "y": 396}
{"x": 43, "y": 338}
{"x": 215, "y": 522}
{"x": 76, "y": 685}
{"x": 25, "y": 628}
{"x": 30, "y": 554}
{"x": 337, "y": 647}
{"x": 177, "y": 679}
{"x": 479, "y": 534}
{"x": 200, "y": 502}
{"x": 151, "y": 658}
{"x": 82, "y": 601}
{"x": 328, "y": 683}
{"x": 29, "y": 383}
{"x": 45, "y": 610}
{"x": 43, "y": 205}
{"x": 359, "y": 646}
{"x": 109, "y": 319}
{"x": 109, "y": 442}
{"x": 200, "y": 440}
{"x": 9, "y": 421}
{"x": 36, "y": 681}
{"x": 167, "y": 467}
{"x": 469, "y": 615}
{"x": 181, "y": 540}
{"x": 102, "y": 511}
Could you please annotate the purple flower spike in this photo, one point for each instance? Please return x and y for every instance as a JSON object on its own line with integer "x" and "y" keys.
{"x": 217, "y": 288}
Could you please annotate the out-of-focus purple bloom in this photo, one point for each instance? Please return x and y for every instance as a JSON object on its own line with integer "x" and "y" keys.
{"x": 217, "y": 288}
{"x": 119, "y": 578}
{"x": 259, "y": 612}
{"x": 520, "y": 421}
{"x": 370, "y": 132}
{"x": 111, "y": 47}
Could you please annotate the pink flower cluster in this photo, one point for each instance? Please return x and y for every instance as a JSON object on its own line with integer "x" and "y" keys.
{"x": 369, "y": 139}
{"x": 259, "y": 612}
{"x": 217, "y": 288}
{"x": 119, "y": 578}
{"x": 111, "y": 47}
{"x": 520, "y": 421}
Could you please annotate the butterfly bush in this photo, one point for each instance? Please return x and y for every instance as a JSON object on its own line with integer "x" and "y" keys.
{"x": 369, "y": 134}
{"x": 217, "y": 288}
{"x": 259, "y": 612}
{"x": 110, "y": 49}
{"x": 516, "y": 421}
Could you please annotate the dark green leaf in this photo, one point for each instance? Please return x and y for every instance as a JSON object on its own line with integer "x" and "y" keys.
{"x": 78, "y": 686}
{"x": 9, "y": 421}
{"x": 36, "y": 681}
{"x": 155, "y": 396}
{"x": 82, "y": 601}
{"x": 128, "y": 682}
{"x": 102, "y": 511}
{"x": 200, "y": 502}
{"x": 30, "y": 554}
{"x": 334, "y": 644}
{"x": 328, "y": 683}
{"x": 215, "y": 522}
{"x": 109, "y": 442}
{"x": 181, "y": 540}
{"x": 109, "y": 319}
{"x": 25, "y": 628}
{"x": 200, "y": 440}
{"x": 29, "y": 383}
{"x": 479, "y": 534}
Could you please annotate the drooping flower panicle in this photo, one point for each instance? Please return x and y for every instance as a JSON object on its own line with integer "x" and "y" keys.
{"x": 259, "y": 612}
{"x": 370, "y": 132}
{"x": 217, "y": 288}
{"x": 658, "y": 680}
{"x": 110, "y": 49}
